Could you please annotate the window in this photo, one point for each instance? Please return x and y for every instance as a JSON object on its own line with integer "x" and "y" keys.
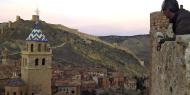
{"x": 32, "y": 47}
{"x": 39, "y": 47}
{"x": 171, "y": 90}
{"x": 14, "y": 93}
{"x": 73, "y": 92}
{"x": 43, "y": 61}
{"x": 36, "y": 62}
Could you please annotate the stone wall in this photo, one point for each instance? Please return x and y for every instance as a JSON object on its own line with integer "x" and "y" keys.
{"x": 169, "y": 65}
{"x": 18, "y": 18}
{"x": 35, "y": 17}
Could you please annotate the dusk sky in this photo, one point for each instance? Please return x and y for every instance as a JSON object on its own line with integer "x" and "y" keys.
{"x": 96, "y": 17}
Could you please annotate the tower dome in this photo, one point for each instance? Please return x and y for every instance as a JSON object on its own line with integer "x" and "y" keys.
{"x": 36, "y": 34}
{"x": 15, "y": 86}
{"x": 15, "y": 82}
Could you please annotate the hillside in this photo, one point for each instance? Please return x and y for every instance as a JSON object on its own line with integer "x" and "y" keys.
{"x": 139, "y": 44}
{"x": 71, "y": 47}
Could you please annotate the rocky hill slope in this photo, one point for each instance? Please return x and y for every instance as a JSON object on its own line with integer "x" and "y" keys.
{"x": 139, "y": 45}
{"x": 71, "y": 47}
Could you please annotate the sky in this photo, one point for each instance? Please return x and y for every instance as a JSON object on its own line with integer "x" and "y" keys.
{"x": 96, "y": 17}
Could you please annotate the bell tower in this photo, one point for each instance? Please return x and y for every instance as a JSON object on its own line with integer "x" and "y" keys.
{"x": 36, "y": 66}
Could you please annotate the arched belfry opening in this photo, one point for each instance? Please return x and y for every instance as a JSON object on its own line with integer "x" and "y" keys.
{"x": 32, "y": 48}
{"x": 43, "y": 61}
{"x": 36, "y": 62}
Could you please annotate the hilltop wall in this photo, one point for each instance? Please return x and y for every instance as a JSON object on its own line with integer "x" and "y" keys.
{"x": 169, "y": 65}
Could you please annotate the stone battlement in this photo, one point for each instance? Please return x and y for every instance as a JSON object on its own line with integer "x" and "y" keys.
{"x": 35, "y": 17}
{"x": 158, "y": 21}
{"x": 169, "y": 69}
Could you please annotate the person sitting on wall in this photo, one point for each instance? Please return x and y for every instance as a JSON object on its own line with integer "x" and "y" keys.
{"x": 179, "y": 19}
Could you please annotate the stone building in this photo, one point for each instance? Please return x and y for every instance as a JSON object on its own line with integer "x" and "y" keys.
{"x": 130, "y": 84}
{"x": 36, "y": 65}
{"x": 169, "y": 67}
{"x": 103, "y": 82}
{"x": 67, "y": 88}
{"x": 15, "y": 86}
{"x": 35, "y": 17}
{"x": 35, "y": 68}
{"x": 88, "y": 85}
{"x": 116, "y": 79}
{"x": 18, "y": 18}
{"x": 6, "y": 72}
